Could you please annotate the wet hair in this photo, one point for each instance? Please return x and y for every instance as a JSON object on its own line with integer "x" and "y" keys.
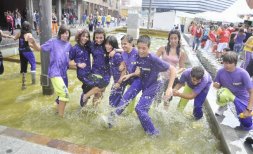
{"x": 129, "y": 39}
{"x": 99, "y": 31}
{"x": 26, "y": 28}
{"x": 179, "y": 40}
{"x": 80, "y": 33}
{"x": 63, "y": 29}
{"x": 230, "y": 57}
{"x": 197, "y": 72}
{"x": 144, "y": 39}
{"x": 112, "y": 40}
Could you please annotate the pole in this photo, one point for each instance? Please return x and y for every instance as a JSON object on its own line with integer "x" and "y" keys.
{"x": 149, "y": 14}
{"x": 58, "y": 11}
{"x": 29, "y": 11}
{"x": 45, "y": 27}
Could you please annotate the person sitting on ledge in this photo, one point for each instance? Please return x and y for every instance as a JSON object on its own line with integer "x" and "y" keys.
{"x": 238, "y": 81}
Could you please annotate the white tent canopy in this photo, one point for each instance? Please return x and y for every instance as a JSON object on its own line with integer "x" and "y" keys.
{"x": 209, "y": 15}
{"x": 231, "y": 14}
{"x": 240, "y": 7}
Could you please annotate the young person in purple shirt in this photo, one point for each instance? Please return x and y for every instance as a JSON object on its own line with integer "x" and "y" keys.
{"x": 199, "y": 81}
{"x": 239, "y": 37}
{"x": 237, "y": 80}
{"x": 59, "y": 62}
{"x": 117, "y": 68}
{"x": 130, "y": 56}
{"x": 80, "y": 57}
{"x": 149, "y": 66}
{"x": 100, "y": 65}
{"x": 25, "y": 52}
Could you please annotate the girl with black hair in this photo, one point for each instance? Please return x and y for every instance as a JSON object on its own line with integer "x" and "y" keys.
{"x": 100, "y": 65}
{"x": 25, "y": 52}
{"x": 80, "y": 57}
{"x": 117, "y": 68}
{"x": 174, "y": 55}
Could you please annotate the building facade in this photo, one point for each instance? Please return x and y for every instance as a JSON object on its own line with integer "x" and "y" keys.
{"x": 192, "y": 6}
{"x": 77, "y": 7}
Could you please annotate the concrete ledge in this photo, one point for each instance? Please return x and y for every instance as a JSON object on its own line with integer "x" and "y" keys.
{"x": 32, "y": 143}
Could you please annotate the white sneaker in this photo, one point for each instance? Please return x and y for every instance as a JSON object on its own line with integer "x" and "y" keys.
{"x": 108, "y": 121}
{"x": 221, "y": 110}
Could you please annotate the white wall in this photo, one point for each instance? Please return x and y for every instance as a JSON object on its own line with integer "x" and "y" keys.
{"x": 164, "y": 20}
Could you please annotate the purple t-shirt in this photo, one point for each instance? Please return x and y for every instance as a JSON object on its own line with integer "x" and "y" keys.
{"x": 114, "y": 66}
{"x": 100, "y": 60}
{"x": 131, "y": 60}
{"x": 150, "y": 67}
{"x": 238, "y": 82}
{"x": 239, "y": 39}
{"x": 204, "y": 84}
{"x": 59, "y": 57}
{"x": 81, "y": 55}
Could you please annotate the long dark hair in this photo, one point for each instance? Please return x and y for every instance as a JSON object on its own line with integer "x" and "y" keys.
{"x": 99, "y": 31}
{"x": 26, "y": 28}
{"x": 112, "y": 40}
{"x": 167, "y": 48}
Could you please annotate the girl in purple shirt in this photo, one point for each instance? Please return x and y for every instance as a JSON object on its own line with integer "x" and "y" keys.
{"x": 100, "y": 65}
{"x": 117, "y": 68}
{"x": 80, "y": 57}
{"x": 59, "y": 62}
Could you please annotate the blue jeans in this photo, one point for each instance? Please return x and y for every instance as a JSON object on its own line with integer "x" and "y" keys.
{"x": 197, "y": 42}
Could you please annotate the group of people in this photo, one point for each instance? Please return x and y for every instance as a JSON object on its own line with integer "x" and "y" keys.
{"x": 234, "y": 83}
{"x": 133, "y": 70}
{"x": 13, "y": 19}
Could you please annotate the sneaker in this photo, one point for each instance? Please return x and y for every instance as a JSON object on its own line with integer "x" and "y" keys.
{"x": 57, "y": 100}
{"x": 83, "y": 100}
{"x": 154, "y": 134}
{"x": 221, "y": 110}
{"x": 109, "y": 121}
